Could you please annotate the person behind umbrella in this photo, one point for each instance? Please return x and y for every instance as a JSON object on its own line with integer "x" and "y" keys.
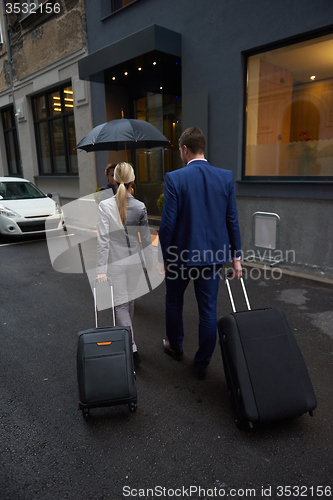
{"x": 122, "y": 223}
{"x": 111, "y": 188}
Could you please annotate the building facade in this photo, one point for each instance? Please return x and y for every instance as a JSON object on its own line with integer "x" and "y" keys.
{"x": 258, "y": 80}
{"x": 45, "y": 107}
{"x": 256, "y": 77}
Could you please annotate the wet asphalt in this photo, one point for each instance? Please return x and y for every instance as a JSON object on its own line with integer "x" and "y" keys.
{"x": 182, "y": 442}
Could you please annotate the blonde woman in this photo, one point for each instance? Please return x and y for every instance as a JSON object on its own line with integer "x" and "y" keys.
{"x": 122, "y": 223}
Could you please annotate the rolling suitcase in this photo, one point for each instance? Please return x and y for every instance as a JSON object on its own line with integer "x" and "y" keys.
{"x": 265, "y": 371}
{"x": 105, "y": 368}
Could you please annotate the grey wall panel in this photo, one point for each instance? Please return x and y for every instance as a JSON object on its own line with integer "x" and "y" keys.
{"x": 195, "y": 112}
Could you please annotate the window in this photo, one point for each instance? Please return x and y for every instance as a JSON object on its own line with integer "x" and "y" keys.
{"x": 55, "y": 132}
{"x": 19, "y": 191}
{"x": 29, "y": 7}
{"x": 108, "y": 7}
{"x": 289, "y": 111}
{"x": 11, "y": 142}
{"x": 33, "y": 4}
{"x": 32, "y": 13}
{"x": 119, "y": 4}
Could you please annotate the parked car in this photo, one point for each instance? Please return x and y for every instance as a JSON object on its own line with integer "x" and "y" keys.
{"x": 24, "y": 208}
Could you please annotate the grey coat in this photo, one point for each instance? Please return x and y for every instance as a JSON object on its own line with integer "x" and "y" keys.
{"x": 118, "y": 244}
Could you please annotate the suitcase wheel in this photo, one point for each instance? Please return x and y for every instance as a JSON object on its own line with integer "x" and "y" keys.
{"x": 238, "y": 423}
{"x": 85, "y": 413}
{"x": 132, "y": 407}
{"x": 243, "y": 425}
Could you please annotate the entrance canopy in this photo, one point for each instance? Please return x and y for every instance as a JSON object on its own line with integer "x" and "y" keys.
{"x": 147, "y": 40}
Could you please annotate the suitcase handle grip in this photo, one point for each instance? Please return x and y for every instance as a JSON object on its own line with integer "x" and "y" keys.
{"x": 94, "y": 287}
{"x": 227, "y": 281}
{"x": 95, "y": 281}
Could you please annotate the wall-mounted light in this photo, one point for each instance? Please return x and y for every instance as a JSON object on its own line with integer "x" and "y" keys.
{"x": 161, "y": 88}
{"x": 312, "y": 77}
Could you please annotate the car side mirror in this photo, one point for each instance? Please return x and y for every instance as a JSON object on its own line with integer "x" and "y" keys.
{"x": 49, "y": 195}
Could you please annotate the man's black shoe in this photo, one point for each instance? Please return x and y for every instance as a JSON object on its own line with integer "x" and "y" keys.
{"x": 200, "y": 373}
{"x": 171, "y": 352}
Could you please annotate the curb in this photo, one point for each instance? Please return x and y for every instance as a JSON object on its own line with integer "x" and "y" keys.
{"x": 291, "y": 276}
{"x": 286, "y": 274}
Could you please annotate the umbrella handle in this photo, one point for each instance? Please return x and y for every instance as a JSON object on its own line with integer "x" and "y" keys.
{"x": 122, "y": 115}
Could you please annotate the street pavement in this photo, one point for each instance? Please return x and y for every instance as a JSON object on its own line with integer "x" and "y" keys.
{"x": 182, "y": 442}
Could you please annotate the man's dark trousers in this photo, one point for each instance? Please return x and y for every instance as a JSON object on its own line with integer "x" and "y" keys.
{"x": 206, "y": 281}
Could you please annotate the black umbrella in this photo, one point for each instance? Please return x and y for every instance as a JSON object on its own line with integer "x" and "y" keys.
{"x": 122, "y": 134}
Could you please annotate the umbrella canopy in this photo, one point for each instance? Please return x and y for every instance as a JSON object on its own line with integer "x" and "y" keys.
{"x": 121, "y": 134}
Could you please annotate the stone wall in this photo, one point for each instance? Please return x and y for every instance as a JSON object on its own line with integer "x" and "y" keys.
{"x": 41, "y": 39}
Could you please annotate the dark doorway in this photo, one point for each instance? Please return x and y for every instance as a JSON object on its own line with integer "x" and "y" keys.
{"x": 149, "y": 88}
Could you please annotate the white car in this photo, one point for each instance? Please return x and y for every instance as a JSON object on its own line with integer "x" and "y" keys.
{"x": 24, "y": 208}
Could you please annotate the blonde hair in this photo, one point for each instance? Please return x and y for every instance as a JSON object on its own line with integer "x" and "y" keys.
{"x": 123, "y": 175}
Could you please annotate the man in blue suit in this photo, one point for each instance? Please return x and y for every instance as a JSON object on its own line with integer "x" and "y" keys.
{"x": 199, "y": 232}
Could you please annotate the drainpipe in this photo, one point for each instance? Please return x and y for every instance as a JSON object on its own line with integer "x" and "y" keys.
{"x": 10, "y": 71}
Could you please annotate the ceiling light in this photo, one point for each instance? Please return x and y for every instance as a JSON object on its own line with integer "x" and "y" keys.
{"x": 139, "y": 69}
{"x": 113, "y": 78}
{"x": 126, "y": 73}
{"x": 161, "y": 88}
{"x": 154, "y": 63}
{"x": 312, "y": 77}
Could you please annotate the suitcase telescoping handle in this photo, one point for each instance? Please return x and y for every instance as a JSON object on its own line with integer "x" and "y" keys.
{"x": 94, "y": 283}
{"x": 227, "y": 280}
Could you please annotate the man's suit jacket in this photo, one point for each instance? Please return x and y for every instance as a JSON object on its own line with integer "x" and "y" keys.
{"x": 199, "y": 224}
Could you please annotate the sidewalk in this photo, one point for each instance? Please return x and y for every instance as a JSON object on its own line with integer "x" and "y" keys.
{"x": 296, "y": 273}
{"x": 292, "y": 272}
{"x": 183, "y": 434}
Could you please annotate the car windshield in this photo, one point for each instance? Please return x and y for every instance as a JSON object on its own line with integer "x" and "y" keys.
{"x": 19, "y": 191}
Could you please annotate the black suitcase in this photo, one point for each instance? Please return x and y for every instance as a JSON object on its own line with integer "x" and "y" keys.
{"x": 265, "y": 371}
{"x": 105, "y": 368}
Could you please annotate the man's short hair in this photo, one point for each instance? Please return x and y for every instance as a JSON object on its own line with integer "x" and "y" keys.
{"x": 194, "y": 139}
{"x": 110, "y": 165}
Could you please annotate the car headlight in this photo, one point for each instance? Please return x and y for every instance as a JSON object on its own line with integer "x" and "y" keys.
{"x": 58, "y": 209}
{"x": 7, "y": 212}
